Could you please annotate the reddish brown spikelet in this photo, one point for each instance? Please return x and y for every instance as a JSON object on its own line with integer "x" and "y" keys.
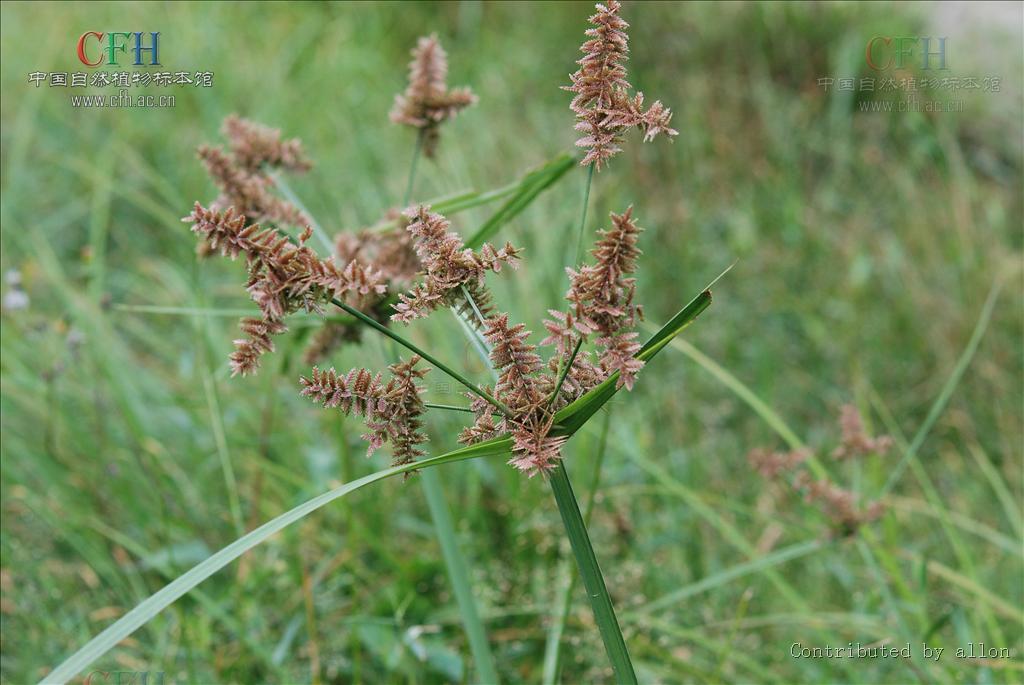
{"x": 241, "y": 174}
{"x": 564, "y": 328}
{"x": 516, "y": 363}
{"x": 402, "y": 395}
{"x": 604, "y": 110}
{"x": 581, "y": 377}
{"x": 619, "y": 357}
{"x": 602, "y": 298}
{"x": 484, "y": 427}
{"x": 391, "y": 411}
{"x": 448, "y": 265}
{"x": 392, "y": 255}
{"x": 770, "y": 464}
{"x": 534, "y": 449}
{"x": 284, "y": 277}
{"x": 245, "y": 360}
{"x": 855, "y": 441}
{"x": 254, "y": 145}
{"x": 427, "y": 102}
{"x": 840, "y": 506}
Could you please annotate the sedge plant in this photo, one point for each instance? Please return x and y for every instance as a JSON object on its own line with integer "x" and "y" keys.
{"x": 410, "y": 266}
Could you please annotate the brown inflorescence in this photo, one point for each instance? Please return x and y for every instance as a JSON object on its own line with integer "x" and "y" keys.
{"x": 392, "y": 411}
{"x": 241, "y": 173}
{"x": 427, "y": 102}
{"x": 450, "y": 269}
{"x": 284, "y": 277}
{"x": 840, "y": 506}
{"x": 602, "y": 297}
{"x": 391, "y": 252}
{"x": 855, "y": 441}
{"x": 602, "y": 103}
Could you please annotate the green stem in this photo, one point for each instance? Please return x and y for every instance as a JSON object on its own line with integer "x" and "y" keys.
{"x": 472, "y": 303}
{"x": 449, "y": 407}
{"x": 564, "y": 372}
{"x": 412, "y": 170}
{"x": 593, "y": 581}
{"x": 553, "y": 650}
{"x": 426, "y": 355}
{"x": 583, "y": 215}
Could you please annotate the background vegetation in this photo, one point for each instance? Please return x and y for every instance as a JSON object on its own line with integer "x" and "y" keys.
{"x": 867, "y": 245}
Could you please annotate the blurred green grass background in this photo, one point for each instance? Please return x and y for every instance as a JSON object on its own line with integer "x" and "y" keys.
{"x": 867, "y": 243}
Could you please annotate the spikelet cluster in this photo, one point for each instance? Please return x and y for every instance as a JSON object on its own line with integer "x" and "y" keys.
{"x": 525, "y": 391}
{"x": 770, "y": 464}
{"x": 450, "y": 269}
{"x": 601, "y": 297}
{"x": 427, "y": 102}
{"x": 842, "y": 507}
{"x": 254, "y": 145}
{"x": 839, "y": 505}
{"x": 392, "y": 411}
{"x": 284, "y": 277}
{"x": 602, "y": 103}
{"x": 855, "y": 442}
{"x": 241, "y": 172}
{"x": 389, "y": 249}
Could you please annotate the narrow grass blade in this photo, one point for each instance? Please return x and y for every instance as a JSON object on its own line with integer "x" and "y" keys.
{"x": 180, "y": 311}
{"x": 947, "y": 390}
{"x": 767, "y": 414}
{"x": 146, "y": 610}
{"x": 553, "y": 646}
{"x": 995, "y": 479}
{"x": 727, "y": 575}
{"x": 532, "y": 185}
{"x": 486, "y": 672}
{"x": 569, "y": 419}
{"x": 289, "y": 194}
{"x": 453, "y": 204}
{"x": 593, "y": 581}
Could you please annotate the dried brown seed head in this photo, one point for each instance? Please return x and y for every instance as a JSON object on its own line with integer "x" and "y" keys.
{"x": 427, "y": 102}
{"x": 604, "y": 110}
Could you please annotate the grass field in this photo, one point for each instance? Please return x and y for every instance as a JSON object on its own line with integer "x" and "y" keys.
{"x": 879, "y": 263}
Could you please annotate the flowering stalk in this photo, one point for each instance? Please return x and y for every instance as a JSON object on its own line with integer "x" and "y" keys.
{"x": 593, "y": 580}
{"x": 427, "y": 101}
{"x": 537, "y": 401}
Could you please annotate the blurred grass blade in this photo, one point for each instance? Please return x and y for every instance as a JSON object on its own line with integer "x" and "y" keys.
{"x": 760, "y": 407}
{"x": 569, "y": 419}
{"x": 181, "y": 311}
{"x": 486, "y": 672}
{"x": 532, "y": 185}
{"x": 593, "y": 581}
{"x": 147, "y": 609}
{"x": 534, "y": 181}
{"x": 289, "y": 194}
{"x": 947, "y": 389}
{"x": 724, "y": 576}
